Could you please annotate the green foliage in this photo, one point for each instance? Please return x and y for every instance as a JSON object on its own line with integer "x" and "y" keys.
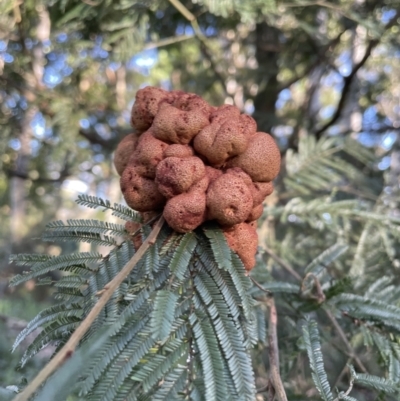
{"x": 333, "y": 218}
{"x": 313, "y": 346}
{"x": 180, "y": 322}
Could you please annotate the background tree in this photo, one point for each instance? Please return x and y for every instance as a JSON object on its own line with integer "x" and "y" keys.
{"x": 321, "y": 76}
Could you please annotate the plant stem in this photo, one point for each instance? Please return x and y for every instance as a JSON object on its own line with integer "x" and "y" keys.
{"x": 284, "y": 264}
{"x": 342, "y": 335}
{"x": 68, "y": 349}
{"x": 274, "y": 352}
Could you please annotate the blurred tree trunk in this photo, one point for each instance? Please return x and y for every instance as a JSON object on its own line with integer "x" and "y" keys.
{"x": 267, "y": 55}
{"x": 19, "y": 186}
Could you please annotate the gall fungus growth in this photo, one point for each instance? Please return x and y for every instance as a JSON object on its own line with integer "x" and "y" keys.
{"x": 194, "y": 162}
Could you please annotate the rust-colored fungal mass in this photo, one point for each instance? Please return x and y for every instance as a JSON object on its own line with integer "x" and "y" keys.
{"x": 176, "y": 175}
{"x": 124, "y": 152}
{"x": 194, "y": 162}
{"x": 242, "y": 238}
{"x": 229, "y": 200}
{"x": 148, "y": 153}
{"x": 261, "y": 160}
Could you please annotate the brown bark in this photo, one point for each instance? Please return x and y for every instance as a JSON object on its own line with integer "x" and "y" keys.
{"x": 267, "y": 54}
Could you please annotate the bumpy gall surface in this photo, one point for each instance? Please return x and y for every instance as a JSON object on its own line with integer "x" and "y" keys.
{"x": 194, "y": 162}
{"x": 124, "y": 152}
{"x": 176, "y": 175}
{"x": 261, "y": 160}
{"x": 185, "y": 212}
{"x": 242, "y": 238}
{"x": 229, "y": 200}
{"x": 147, "y": 155}
{"x": 140, "y": 193}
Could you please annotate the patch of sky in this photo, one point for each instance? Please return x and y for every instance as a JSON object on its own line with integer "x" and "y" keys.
{"x": 76, "y": 186}
{"x": 384, "y": 164}
{"x": 388, "y": 140}
{"x": 369, "y": 116}
{"x": 210, "y": 31}
{"x": 28, "y": 43}
{"x": 327, "y": 111}
{"x": 284, "y": 96}
{"x": 14, "y": 144}
{"x": 56, "y": 69}
{"x": 112, "y": 122}
{"x": 102, "y": 190}
{"x": 38, "y": 125}
{"x": 143, "y": 61}
{"x": 7, "y": 57}
{"x": 189, "y": 30}
{"x": 249, "y": 107}
{"x": 103, "y": 130}
{"x": 3, "y": 45}
{"x": 11, "y": 102}
{"x": 166, "y": 84}
{"x": 98, "y": 51}
{"x": 282, "y": 133}
{"x": 371, "y": 76}
{"x": 327, "y": 217}
{"x": 114, "y": 65}
{"x": 52, "y": 56}
{"x": 51, "y": 76}
{"x": 86, "y": 165}
{"x": 86, "y": 177}
{"x": 333, "y": 80}
{"x": 159, "y": 14}
{"x": 35, "y": 147}
{"x": 367, "y": 139}
{"x": 23, "y": 103}
{"x": 83, "y": 144}
{"x": 334, "y": 130}
{"x": 67, "y": 70}
{"x": 62, "y": 37}
{"x": 345, "y": 63}
{"x": 97, "y": 148}
{"x": 98, "y": 158}
{"x": 387, "y": 69}
{"x": 180, "y": 29}
{"x": 97, "y": 170}
{"x": 388, "y": 190}
{"x": 387, "y": 15}
{"x": 84, "y": 123}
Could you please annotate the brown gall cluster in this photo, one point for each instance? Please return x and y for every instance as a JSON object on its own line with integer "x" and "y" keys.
{"x": 194, "y": 162}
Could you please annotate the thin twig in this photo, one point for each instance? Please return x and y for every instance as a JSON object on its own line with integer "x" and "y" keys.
{"x": 320, "y": 293}
{"x": 274, "y": 352}
{"x": 348, "y": 391}
{"x": 68, "y": 349}
{"x": 202, "y": 38}
{"x": 257, "y": 284}
{"x": 332, "y": 318}
{"x": 167, "y": 41}
{"x": 280, "y": 261}
{"x": 348, "y": 80}
{"x": 342, "y": 373}
{"x": 345, "y": 340}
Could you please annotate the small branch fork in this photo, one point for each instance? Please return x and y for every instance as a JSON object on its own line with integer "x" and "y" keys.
{"x": 68, "y": 349}
{"x": 203, "y": 40}
{"x": 276, "y": 380}
{"x": 348, "y": 80}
